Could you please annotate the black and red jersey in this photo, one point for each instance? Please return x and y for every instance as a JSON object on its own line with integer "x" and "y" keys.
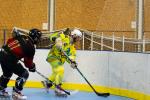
{"x": 22, "y": 47}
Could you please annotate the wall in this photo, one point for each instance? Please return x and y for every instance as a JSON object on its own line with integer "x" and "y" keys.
{"x": 101, "y": 15}
{"x": 112, "y": 69}
{"x": 23, "y": 13}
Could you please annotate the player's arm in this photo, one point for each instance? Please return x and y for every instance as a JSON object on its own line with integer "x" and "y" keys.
{"x": 72, "y": 56}
{"x": 53, "y": 37}
{"x": 28, "y": 62}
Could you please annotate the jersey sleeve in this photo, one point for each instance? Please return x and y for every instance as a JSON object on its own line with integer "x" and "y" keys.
{"x": 53, "y": 37}
{"x": 72, "y": 54}
{"x": 28, "y": 62}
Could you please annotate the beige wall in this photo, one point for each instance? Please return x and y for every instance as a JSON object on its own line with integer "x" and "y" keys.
{"x": 100, "y": 15}
{"x": 23, "y": 13}
{"x": 95, "y": 15}
{"x": 147, "y": 15}
{"x": 79, "y": 13}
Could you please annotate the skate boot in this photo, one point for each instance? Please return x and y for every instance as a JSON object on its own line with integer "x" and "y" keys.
{"x": 17, "y": 95}
{"x": 4, "y": 94}
{"x": 60, "y": 93}
{"x": 47, "y": 85}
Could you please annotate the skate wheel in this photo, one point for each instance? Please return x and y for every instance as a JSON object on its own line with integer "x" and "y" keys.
{"x": 61, "y": 95}
{"x": 5, "y": 98}
{"x": 47, "y": 90}
{"x": 16, "y": 98}
{"x": 65, "y": 96}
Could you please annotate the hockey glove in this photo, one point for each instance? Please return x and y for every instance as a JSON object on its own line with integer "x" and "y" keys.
{"x": 33, "y": 68}
{"x": 73, "y": 64}
{"x": 53, "y": 39}
{"x": 59, "y": 43}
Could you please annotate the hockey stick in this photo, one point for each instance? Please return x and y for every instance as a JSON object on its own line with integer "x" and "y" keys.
{"x": 97, "y": 93}
{"x": 68, "y": 93}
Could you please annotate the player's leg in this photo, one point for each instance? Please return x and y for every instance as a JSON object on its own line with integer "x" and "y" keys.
{"x": 4, "y": 79}
{"x": 59, "y": 70}
{"x": 20, "y": 81}
{"x": 53, "y": 62}
{"x": 57, "y": 74}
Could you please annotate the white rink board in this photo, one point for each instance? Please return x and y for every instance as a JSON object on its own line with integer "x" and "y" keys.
{"x": 113, "y": 69}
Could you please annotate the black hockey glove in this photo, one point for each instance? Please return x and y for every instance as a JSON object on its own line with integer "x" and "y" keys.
{"x": 67, "y": 31}
{"x": 53, "y": 39}
{"x": 73, "y": 64}
{"x": 33, "y": 68}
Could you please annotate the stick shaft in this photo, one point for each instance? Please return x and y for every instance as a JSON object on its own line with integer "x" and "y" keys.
{"x": 86, "y": 80}
{"x": 68, "y": 93}
{"x": 99, "y": 94}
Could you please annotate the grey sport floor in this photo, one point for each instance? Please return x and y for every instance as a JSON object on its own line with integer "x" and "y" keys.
{"x": 40, "y": 94}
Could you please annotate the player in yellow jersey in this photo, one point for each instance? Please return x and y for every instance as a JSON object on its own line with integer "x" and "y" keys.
{"x": 63, "y": 42}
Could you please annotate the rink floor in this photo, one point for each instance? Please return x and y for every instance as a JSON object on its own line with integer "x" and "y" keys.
{"x": 40, "y": 94}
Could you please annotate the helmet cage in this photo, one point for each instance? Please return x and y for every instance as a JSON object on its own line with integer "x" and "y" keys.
{"x": 35, "y": 34}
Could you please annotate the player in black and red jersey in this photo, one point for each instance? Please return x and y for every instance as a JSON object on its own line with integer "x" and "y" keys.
{"x": 18, "y": 47}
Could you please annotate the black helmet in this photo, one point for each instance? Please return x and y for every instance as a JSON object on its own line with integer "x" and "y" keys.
{"x": 35, "y": 34}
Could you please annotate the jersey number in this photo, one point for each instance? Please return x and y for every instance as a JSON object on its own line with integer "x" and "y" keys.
{"x": 14, "y": 44}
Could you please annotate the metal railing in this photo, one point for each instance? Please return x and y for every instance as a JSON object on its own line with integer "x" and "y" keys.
{"x": 101, "y": 42}
{"x": 97, "y": 41}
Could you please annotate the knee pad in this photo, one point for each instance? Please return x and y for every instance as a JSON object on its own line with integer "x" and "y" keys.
{"x": 20, "y": 81}
{"x": 25, "y": 74}
{"x": 4, "y": 81}
{"x": 59, "y": 75}
{"x": 59, "y": 70}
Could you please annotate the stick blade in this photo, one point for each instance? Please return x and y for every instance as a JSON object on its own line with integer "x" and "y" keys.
{"x": 74, "y": 92}
{"x": 103, "y": 94}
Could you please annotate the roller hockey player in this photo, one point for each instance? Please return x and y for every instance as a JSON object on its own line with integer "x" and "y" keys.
{"x": 62, "y": 42}
{"x": 18, "y": 47}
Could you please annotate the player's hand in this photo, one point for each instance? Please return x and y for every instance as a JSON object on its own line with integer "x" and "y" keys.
{"x": 53, "y": 39}
{"x": 59, "y": 43}
{"x": 73, "y": 64}
{"x": 33, "y": 68}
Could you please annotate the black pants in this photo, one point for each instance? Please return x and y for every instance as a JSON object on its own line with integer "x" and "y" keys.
{"x": 9, "y": 66}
